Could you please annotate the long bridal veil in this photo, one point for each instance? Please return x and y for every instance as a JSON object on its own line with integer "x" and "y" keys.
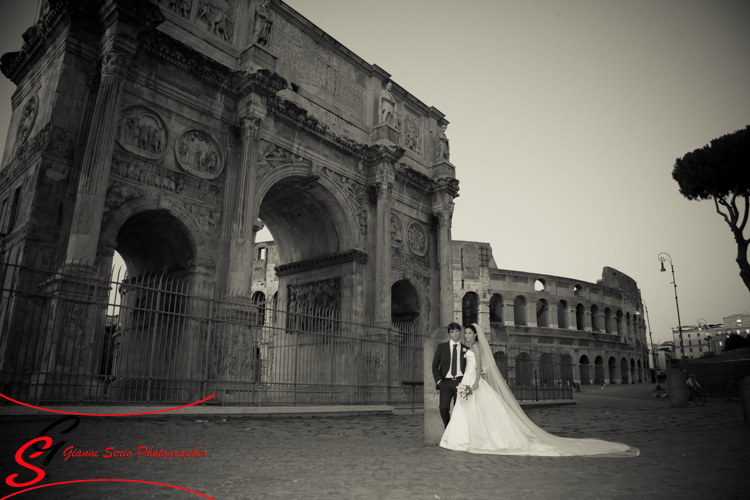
{"x": 565, "y": 446}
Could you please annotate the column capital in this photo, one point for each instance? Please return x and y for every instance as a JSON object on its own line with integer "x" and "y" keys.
{"x": 248, "y": 127}
{"x": 445, "y": 186}
{"x": 443, "y": 212}
{"x": 385, "y": 174}
{"x": 115, "y": 63}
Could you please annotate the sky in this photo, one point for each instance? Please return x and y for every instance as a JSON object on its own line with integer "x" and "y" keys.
{"x": 566, "y": 118}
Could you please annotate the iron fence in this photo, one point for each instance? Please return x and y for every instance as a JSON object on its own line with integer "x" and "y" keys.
{"x": 77, "y": 337}
{"x": 535, "y": 374}
{"x": 68, "y": 337}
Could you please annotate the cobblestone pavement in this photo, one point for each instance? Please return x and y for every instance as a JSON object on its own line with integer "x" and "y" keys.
{"x": 686, "y": 453}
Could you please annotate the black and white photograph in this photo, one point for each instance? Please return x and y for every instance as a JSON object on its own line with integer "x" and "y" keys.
{"x": 402, "y": 249}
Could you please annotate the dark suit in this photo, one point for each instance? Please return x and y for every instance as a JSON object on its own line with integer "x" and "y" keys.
{"x": 441, "y": 366}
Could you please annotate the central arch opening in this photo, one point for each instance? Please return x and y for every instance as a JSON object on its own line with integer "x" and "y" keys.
{"x": 304, "y": 218}
{"x": 309, "y": 288}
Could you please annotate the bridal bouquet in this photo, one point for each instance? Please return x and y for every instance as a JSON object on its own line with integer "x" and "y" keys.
{"x": 465, "y": 392}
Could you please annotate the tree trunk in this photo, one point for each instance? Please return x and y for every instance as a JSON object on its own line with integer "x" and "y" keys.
{"x": 742, "y": 259}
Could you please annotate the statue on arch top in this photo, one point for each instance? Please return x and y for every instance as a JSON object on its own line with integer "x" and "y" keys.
{"x": 444, "y": 153}
{"x": 262, "y": 26}
{"x": 388, "y": 106}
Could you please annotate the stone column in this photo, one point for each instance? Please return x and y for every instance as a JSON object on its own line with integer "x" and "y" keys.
{"x": 586, "y": 320}
{"x": 384, "y": 186}
{"x": 509, "y": 313}
{"x": 530, "y": 311}
{"x": 97, "y": 159}
{"x": 445, "y": 260}
{"x": 570, "y": 315}
{"x": 596, "y": 322}
{"x": 553, "y": 320}
{"x": 243, "y": 224}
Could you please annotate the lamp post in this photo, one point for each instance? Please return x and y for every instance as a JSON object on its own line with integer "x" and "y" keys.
{"x": 653, "y": 352}
{"x": 702, "y": 323}
{"x": 666, "y": 257}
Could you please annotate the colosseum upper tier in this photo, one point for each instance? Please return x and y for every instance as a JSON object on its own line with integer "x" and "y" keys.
{"x": 599, "y": 324}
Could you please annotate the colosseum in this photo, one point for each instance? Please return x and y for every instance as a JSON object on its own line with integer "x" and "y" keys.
{"x": 537, "y": 315}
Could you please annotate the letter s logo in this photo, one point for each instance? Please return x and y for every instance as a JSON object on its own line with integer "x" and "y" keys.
{"x": 19, "y": 459}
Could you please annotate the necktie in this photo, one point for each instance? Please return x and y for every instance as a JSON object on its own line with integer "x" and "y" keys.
{"x": 454, "y": 360}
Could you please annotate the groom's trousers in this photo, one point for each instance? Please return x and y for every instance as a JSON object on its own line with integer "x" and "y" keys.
{"x": 447, "y": 395}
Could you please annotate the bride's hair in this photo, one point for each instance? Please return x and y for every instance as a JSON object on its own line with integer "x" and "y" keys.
{"x": 471, "y": 327}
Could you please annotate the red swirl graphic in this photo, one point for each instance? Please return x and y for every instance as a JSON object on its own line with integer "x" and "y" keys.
{"x": 101, "y": 480}
{"x": 107, "y": 415}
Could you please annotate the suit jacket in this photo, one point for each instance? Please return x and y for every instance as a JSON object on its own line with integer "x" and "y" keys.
{"x": 441, "y": 363}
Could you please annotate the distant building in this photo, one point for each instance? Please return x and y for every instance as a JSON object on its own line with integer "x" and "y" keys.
{"x": 704, "y": 339}
{"x": 664, "y": 355}
{"x": 694, "y": 339}
{"x": 265, "y": 284}
{"x": 718, "y": 334}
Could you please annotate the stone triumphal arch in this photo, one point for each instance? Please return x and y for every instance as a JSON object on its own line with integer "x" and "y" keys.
{"x": 171, "y": 132}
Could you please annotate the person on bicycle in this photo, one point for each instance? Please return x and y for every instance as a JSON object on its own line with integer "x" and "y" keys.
{"x": 692, "y": 385}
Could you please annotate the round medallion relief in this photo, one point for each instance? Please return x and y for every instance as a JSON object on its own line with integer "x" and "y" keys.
{"x": 198, "y": 152}
{"x": 416, "y": 237}
{"x": 142, "y": 132}
{"x": 28, "y": 118}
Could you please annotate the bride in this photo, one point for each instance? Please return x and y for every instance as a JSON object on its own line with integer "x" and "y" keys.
{"x": 491, "y": 420}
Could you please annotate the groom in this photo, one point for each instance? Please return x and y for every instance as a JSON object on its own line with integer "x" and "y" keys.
{"x": 448, "y": 367}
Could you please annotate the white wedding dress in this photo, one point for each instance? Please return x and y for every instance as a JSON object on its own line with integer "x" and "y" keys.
{"x": 493, "y": 422}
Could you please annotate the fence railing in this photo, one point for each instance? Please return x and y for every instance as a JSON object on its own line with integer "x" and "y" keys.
{"x": 534, "y": 374}
{"x": 72, "y": 337}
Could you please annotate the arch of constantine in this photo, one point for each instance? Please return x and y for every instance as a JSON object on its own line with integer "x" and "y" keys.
{"x": 170, "y": 133}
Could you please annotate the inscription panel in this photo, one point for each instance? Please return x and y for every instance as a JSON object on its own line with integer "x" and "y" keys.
{"x": 318, "y": 66}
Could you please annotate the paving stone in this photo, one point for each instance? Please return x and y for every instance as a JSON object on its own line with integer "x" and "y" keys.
{"x": 686, "y": 453}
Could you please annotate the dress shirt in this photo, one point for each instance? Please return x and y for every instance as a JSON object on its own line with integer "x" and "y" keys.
{"x": 459, "y": 373}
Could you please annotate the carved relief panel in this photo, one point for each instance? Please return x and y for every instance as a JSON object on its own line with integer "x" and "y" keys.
{"x": 397, "y": 231}
{"x": 199, "y": 153}
{"x": 322, "y": 294}
{"x": 416, "y": 237}
{"x": 271, "y": 156}
{"x": 412, "y": 133}
{"x": 400, "y": 258}
{"x": 182, "y": 8}
{"x": 142, "y": 132}
{"x": 218, "y": 17}
{"x": 23, "y": 154}
{"x": 156, "y": 176}
{"x": 28, "y": 118}
{"x": 118, "y": 195}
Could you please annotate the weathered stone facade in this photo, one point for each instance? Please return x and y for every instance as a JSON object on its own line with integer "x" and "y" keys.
{"x": 599, "y": 325}
{"x": 166, "y": 130}
{"x": 171, "y": 132}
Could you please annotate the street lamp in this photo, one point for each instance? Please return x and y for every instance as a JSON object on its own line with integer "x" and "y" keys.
{"x": 653, "y": 352}
{"x": 666, "y": 257}
{"x": 702, "y": 323}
